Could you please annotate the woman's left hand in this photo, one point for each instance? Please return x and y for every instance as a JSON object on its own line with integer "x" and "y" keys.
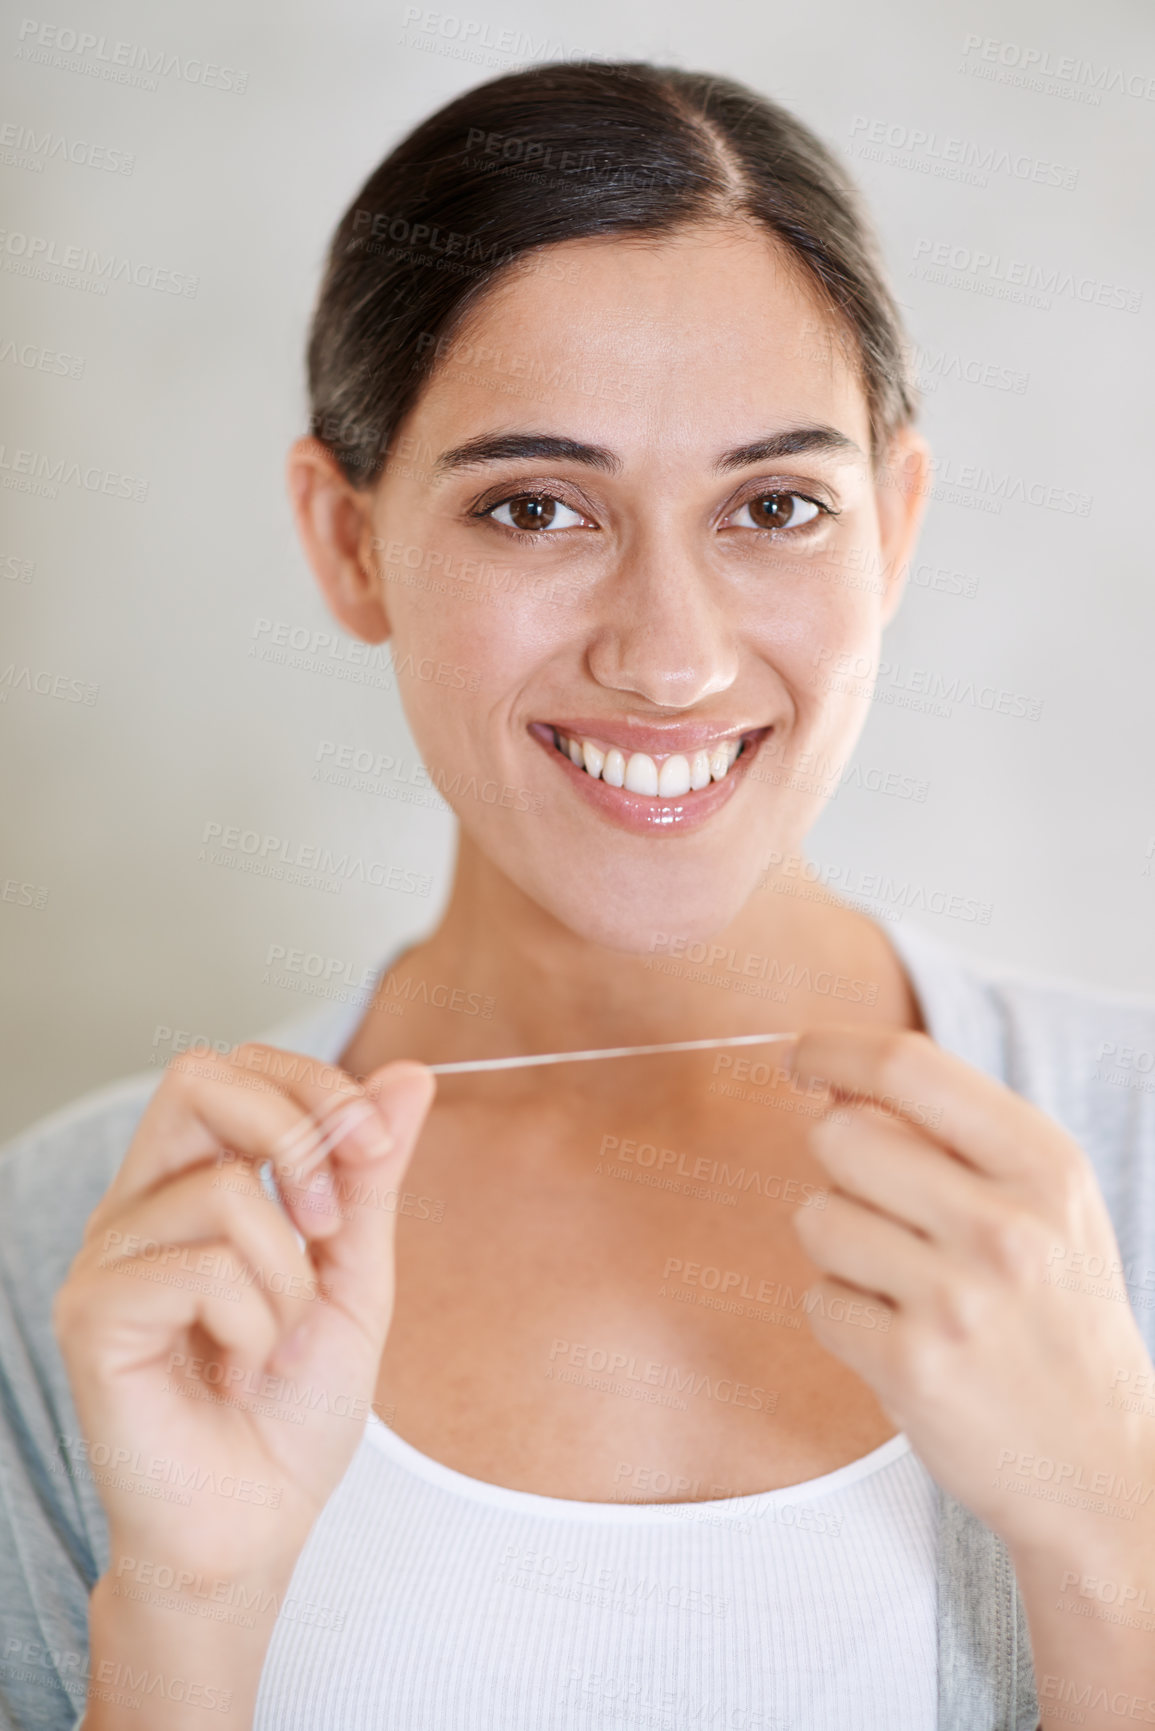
{"x": 979, "y": 1223}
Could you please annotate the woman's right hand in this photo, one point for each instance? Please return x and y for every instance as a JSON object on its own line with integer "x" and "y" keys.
{"x": 222, "y": 1373}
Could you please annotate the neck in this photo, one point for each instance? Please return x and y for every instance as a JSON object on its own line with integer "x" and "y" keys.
{"x": 553, "y": 990}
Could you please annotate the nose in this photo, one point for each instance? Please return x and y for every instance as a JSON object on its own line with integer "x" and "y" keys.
{"x": 663, "y": 634}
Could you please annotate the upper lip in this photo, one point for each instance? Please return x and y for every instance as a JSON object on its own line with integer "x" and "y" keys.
{"x": 655, "y": 738}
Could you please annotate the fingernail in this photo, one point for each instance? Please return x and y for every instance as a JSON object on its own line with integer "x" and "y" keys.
{"x": 402, "y": 1095}
{"x": 360, "y": 1129}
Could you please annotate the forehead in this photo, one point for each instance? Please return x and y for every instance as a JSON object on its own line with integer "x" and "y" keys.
{"x": 691, "y": 339}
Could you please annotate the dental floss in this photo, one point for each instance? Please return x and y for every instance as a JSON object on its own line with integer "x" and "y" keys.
{"x": 523, "y": 1063}
{"x": 473, "y": 1065}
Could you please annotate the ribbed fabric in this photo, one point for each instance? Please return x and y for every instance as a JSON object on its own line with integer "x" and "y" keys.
{"x": 429, "y": 1599}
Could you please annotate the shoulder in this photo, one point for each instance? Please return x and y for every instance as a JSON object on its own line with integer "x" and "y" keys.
{"x": 51, "y": 1178}
{"x": 1084, "y": 1053}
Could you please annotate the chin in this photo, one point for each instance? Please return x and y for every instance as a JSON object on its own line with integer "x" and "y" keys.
{"x": 627, "y": 922}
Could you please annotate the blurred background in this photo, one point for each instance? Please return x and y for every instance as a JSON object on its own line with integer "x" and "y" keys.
{"x": 171, "y": 176}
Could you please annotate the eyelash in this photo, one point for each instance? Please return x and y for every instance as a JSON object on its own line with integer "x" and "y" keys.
{"x": 528, "y": 536}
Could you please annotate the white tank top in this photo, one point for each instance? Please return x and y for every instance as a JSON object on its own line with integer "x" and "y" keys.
{"x": 429, "y": 1601}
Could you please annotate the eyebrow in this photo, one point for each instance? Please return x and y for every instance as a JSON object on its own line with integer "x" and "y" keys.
{"x": 529, "y": 447}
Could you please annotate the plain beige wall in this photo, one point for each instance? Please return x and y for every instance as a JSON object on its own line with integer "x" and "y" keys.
{"x": 1018, "y": 131}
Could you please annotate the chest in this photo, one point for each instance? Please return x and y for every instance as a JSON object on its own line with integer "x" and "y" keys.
{"x": 599, "y": 1297}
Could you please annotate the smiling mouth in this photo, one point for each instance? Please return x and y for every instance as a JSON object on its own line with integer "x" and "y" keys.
{"x": 661, "y": 777}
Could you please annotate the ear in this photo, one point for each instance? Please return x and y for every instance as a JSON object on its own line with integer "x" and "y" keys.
{"x": 900, "y": 494}
{"x": 335, "y": 529}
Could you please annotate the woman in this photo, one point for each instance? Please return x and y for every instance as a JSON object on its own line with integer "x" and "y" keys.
{"x": 612, "y": 443}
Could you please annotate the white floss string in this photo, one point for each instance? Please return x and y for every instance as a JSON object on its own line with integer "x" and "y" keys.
{"x": 472, "y": 1065}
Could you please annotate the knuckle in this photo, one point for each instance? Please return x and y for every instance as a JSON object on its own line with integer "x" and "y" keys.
{"x": 1013, "y": 1243}
{"x": 920, "y": 1363}
{"x": 960, "y": 1306}
{"x": 899, "y": 1056}
{"x": 1069, "y": 1182}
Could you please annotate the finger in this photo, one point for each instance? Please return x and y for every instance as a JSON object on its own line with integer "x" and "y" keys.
{"x": 169, "y": 1227}
{"x": 904, "y": 1073}
{"x": 836, "y": 1318}
{"x": 868, "y": 1250}
{"x": 258, "y": 1102}
{"x": 884, "y": 1161}
{"x": 356, "y": 1263}
{"x": 119, "y": 1318}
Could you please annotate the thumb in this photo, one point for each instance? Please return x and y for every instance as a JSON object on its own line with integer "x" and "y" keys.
{"x": 356, "y": 1262}
{"x": 402, "y": 1093}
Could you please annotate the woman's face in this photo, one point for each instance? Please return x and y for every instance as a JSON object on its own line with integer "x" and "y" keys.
{"x": 632, "y": 521}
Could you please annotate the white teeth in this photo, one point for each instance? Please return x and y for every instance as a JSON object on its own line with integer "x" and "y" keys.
{"x": 670, "y": 779}
{"x": 674, "y": 778}
{"x": 594, "y": 758}
{"x": 614, "y": 773}
{"x": 641, "y": 774}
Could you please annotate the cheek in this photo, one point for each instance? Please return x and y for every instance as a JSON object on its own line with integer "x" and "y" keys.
{"x": 824, "y": 648}
{"x": 504, "y": 622}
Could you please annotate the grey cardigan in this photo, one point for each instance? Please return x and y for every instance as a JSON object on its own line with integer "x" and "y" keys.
{"x": 1083, "y": 1056}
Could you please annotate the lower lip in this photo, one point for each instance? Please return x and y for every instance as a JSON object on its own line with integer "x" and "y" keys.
{"x": 639, "y": 812}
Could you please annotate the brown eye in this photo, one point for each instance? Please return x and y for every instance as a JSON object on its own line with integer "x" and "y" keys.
{"x": 777, "y": 511}
{"x": 773, "y": 510}
{"x": 530, "y": 513}
{"x": 536, "y": 511}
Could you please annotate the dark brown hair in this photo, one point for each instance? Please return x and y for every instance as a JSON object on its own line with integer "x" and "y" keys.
{"x": 558, "y": 153}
